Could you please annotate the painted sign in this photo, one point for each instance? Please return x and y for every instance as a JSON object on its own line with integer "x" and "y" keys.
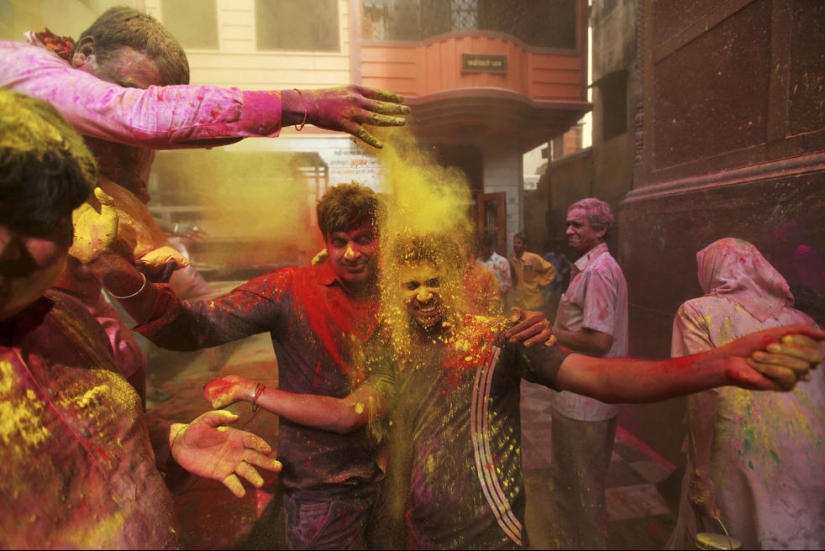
{"x": 477, "y": 63}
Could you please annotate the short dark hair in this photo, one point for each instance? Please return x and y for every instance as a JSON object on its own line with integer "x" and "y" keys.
{"x": 46, "y": 171}
{"x": 523, "y": 237}
{"x": 347, "y": 206}
{"x": 124, "y": 26}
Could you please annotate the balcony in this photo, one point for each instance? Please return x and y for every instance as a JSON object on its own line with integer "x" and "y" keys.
{"x": 479, "y": 83}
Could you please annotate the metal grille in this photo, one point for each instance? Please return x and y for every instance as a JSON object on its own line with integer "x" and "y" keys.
{"x": 538, "y": 23}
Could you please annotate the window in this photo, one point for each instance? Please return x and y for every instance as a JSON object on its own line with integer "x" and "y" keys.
{"x": 537, "y": 23}
{"x": 310, "y": 25}
{"x": 193, "y": 22}
{"x": 613, "y": 88}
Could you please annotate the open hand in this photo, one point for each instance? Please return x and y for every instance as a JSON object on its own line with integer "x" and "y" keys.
{"x": 209, "y": 448}
{"x": 776, "y": 358}
{"x": 530, "y": 327}
{"x": 348, "y": 108}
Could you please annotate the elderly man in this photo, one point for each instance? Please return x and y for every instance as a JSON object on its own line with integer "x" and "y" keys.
{"x": 592, "y": 319}
{"x": 451, "y": 380}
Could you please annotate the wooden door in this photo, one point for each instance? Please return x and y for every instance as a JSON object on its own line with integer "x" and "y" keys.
{"x": 491, "y": 215}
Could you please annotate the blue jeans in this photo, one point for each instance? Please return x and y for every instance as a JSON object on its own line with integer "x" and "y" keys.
{"x": 337, "y": 523}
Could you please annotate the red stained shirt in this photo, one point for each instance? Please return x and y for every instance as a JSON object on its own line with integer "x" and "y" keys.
{"x": 317, "y": 329}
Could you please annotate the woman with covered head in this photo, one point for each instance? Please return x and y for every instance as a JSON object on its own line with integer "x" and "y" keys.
{"x": 755, "y": 461}
{"x": 450, "y": 379}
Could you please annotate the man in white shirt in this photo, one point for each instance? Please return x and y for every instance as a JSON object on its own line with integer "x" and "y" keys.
{"x": 592, "y": 319}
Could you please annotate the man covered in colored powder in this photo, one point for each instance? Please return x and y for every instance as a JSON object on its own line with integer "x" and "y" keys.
{"x": 317, "y": 317}
{"x": 78, "y": 467}
{"x": 755, "y": 461}
{"x": 123, "y": 170}
{"x": 592, "y": 319}
{"x": 453, "y": 389}
{"x": 170, "y": 117}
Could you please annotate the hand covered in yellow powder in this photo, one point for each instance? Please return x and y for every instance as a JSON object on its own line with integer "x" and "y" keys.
{"x": 789, "y": 360}
{"x": 95, "y": 227}
{"x": 160, "y": 263}
{"x": 772, "y": 359}
{"x": 225, "y": 391}
{"x": 209, "y": 448}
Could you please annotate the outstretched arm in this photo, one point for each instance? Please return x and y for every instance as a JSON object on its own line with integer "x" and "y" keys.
{"x": 209, "y": 448}
{"x": 172, "y": 117}
{"x": 773, "y": 359}
{"x": 341, "y": 415}
{"x": 585, "y": 340}
{"x": 344, "y": 109}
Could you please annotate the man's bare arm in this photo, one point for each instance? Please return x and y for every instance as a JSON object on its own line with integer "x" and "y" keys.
{"x": 773, "y": 359}
{"x": 341, "y": 415}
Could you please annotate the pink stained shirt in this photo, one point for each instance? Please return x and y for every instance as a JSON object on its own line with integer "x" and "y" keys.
{"x": 159, "y": 117}
{"x": 597, "y": 299}
{"x": 78, "y": 462}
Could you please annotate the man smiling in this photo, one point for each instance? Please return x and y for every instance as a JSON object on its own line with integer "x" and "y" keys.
{"x": 454, "y": 400}
{"x": 317, "y": 317}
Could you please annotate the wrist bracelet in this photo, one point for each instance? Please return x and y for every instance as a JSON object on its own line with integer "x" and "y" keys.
{"x": 136, "y": 293}
{"x": 256, "y": 394}
{"x": 299, "y": 128}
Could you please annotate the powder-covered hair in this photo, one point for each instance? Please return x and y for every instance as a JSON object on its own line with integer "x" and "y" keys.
{"x": 46, "y": 171}
{"x": 124, "y": 26}
{"x": 598, "y": 214}
{"x": 347, "y": 206}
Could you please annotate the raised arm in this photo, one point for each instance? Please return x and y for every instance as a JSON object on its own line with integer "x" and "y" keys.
{"x": 341, "y": 415}
{"x": 782, "y": 355}
{"x": 171, "y": 117}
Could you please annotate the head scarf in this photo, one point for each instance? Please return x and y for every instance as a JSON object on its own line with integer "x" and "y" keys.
{"x": 736, "y": 270}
